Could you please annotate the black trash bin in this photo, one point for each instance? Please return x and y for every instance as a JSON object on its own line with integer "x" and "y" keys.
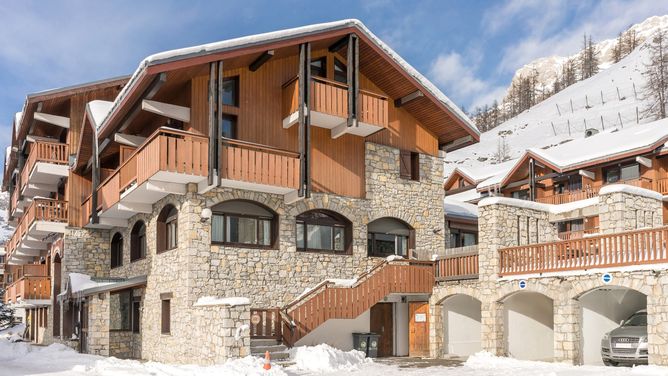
{"x": 367, "y": 343}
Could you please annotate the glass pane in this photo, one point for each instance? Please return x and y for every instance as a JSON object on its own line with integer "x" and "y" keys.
{"x": 241, "y": 230}
{"x": 230, "y": 92}
{"x": 384, "y": 244}
{"x": 630, "y": 172}
{"x": 339, "y": 240}
{"x": 300, "y": 235}
{"x": 265, "y": 232}
{"x": 454, "y": 240}
{"x": 340, "y": 72}
{"x": 319, "y": 237}
{"x": 577, "y": 225}
{"x": 612, "y": 175}
{"x": 468, "y": 238}
{"x": 229, "y": 126}
{"x": 217, "y": 226}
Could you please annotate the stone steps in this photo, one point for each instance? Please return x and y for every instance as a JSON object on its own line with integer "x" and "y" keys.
{"x": 277, "y": 351}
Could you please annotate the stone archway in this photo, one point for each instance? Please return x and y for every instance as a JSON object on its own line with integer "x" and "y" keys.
{"x": 462, "y": 325}
{"x": 528, "y": 323}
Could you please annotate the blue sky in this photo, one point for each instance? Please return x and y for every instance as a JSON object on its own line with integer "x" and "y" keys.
{"x": 469, "y": 48}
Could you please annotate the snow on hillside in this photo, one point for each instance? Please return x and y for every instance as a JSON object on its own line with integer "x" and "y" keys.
{"x": 549, "y": 67}
{"x": 607, "y": 100}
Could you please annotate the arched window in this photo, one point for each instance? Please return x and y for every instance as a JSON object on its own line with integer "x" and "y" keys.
{"x": 244, "y": 223}
{"x": 117, "y": 250}
{"x": 323, "y": 231}
{"x": 167, "y": 229}
{"x": 138, "y": 241}
{"x": 389, "y": 236}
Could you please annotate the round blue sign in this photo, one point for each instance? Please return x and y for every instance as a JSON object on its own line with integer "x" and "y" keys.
{"x": 606, "y": 278}
{"x": 522, "y": 284}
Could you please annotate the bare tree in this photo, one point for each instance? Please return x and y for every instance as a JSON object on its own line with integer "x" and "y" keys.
{"x": 630, "y": 41}
{"x": 502, "y": 153}
{"x": 656, "y": 73}
{"x": 618, "y": 49}
{"x": 588, "y": 59}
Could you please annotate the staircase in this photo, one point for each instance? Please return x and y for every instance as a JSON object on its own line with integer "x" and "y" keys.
{"x": 277, "y": 350}
{"x": 328, "y": 301}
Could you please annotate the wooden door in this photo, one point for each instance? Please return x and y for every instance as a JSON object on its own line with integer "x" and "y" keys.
{"x": 83, "y": 324}
{"x": 382, "y": 323}
{"x": 418, "y": 336}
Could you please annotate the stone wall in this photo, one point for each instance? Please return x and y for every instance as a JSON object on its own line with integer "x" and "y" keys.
{"x": 121, "y": 344}
{"x": 624, "y": 211}
{"x": 223, "y": 332}
{"x": 98, "y": 324}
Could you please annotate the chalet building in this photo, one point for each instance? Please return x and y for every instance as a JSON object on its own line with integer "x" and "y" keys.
{"x": 571, "y": 240}
{"x": 284, "y": 182}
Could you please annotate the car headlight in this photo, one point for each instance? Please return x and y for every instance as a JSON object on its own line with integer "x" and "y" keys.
{"x": 606, "y": 336}
{"x": 643, "y": 339}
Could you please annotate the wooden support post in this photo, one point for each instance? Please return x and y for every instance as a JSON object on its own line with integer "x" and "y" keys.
{"x": 532, "y": 181}
{"x": 353, "y": 80}
{"x": 553, "y": 130}
{"x": 304, "y": 119}
{"x": 219, "y": 122}
{"x": 213, "y": 150}
{"x": 619, "y": 115}
{"x": 95, "y": 178}
{"x": 602, "y": 125}
{"x": 559, "y": 111}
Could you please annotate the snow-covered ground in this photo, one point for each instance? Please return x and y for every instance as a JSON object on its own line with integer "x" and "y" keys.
{"x": 23, "y": 359}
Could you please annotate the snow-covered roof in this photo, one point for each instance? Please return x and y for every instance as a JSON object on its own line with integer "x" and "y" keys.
{"x": 458, "y": 209}
{"x": 275, "y": 36}
{"x": 79, "y": 282}
{"x": 98, "y": 110}
{"x": 17, "y": 120}
{"x": 466, "y": 196}
{"x": 584, "y": 152}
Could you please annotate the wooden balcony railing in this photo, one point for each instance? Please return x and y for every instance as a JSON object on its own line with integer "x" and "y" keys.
{"x": 43, "y": 151}
{"x": 460, "y": 264}
{"x": 592, "y": 190}
{"x": 40, "y": 209}
{"x": 15, "y": 199}
{"x": 578, "y": 234}
{"x": 662, "y": 186}
{"x": 331, "y": 97}
{"x": 611, "y": 250}
{"x": 167, "y": 150}
{"x": 253, "y": 163}
{"x": 29, "y": 288}
{"x": 16, "y": 272}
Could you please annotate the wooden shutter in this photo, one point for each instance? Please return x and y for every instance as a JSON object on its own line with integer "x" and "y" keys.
{"x": 405, "y": 164}
{"x": 166, "y": 317}
{"x": 415, "y": 166}
{"x": 161, "y": 236}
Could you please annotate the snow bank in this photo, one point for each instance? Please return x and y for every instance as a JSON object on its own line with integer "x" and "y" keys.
{"x": 80, "y": 282}
{"x": 325, "y": 358}
{"x": 342, "y": 282}
{"x": 394, "y": 257}
{"x": 613, "y": 188}
{"x": 13, "y": 334}
{"x": 213, "y": 301}
{"x": 549, "y": 208}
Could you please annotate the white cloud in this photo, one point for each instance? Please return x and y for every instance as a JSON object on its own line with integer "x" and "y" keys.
{"x": 457, "y": 75}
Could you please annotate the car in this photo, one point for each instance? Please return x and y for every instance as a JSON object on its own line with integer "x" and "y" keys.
{"x": 626, "y": 344}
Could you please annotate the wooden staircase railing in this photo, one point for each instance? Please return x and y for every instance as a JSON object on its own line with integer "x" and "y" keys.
{"x": 329, "y": 301}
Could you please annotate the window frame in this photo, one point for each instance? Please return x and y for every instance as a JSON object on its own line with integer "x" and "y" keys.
{"x": 323, "y": 60}
{"x": 338, "y": 221}
{"x": 371, "y": 251}
{"x": 345, "y": 71}
{"x": 409, "y": 165}
{"x": 273, "y": 227}
{"x": 618, "y": 169}
{"x": 167, "y": 224}
{"x": 459, "y": 235}
{"x": 126, "y": 325}
{"x": 237, "y": 100}
{"x": 138, "y": 240}
{"x": 165, "y": 316}
{"x": 119, "y": 256}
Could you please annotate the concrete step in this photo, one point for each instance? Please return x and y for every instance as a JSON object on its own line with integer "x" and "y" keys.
{"x": 271, "y": 349}
{"x": 264, "y": 342}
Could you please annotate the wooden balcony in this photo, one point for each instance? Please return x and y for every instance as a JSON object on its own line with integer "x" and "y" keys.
{"x": 47, "y": 163}
{"x": 28, "y": 288}
{"x": 457, "y": 264}
{"x": 329, "y": 102}
{"x": 42, "y": 218}
{"x": 251, "y": 166}
{"x": 167, "y": 161}
{"x": 590, "y": 191}
{"x": 631, "y": 248}
{"x": 662, "y": 186}
{"x": 578, "y": 234}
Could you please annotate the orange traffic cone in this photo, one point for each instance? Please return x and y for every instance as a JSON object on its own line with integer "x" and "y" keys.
{"x": 267, "y": 361}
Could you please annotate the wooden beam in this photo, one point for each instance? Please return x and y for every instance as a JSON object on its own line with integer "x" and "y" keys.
{"x": 171, "y": 111}
{"x": 149, "y": 93}
{"x": 129, "y": 140}
{"x": 407, "y": 98}
{"x": 263, "y": 58}
{"x": 32, "y": 138}
{"x": 339, "y": 44}
{"x": 340, "y": 130}
{"x": 219, "y": 123}
{"x": 213, "y": 157}
{"x": 61, "y": 121}
{"x": 457, "y": 144}
{"x": 587, "y": 174}
{"x": 644, "y": 161}
{"x": 353, "y": 80}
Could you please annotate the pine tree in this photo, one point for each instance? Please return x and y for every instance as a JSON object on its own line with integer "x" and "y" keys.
{"x": 630, "y": 41}
{"x": 656, "y": 73}
{"x": 588, "y": 59}
{"x": 618, "y": 49}
{"x": 6, "y": 315}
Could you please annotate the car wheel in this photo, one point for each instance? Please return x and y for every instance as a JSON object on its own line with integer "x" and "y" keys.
{"x": 610, "y": 363}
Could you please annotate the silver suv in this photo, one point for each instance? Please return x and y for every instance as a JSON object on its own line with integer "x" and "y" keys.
{"x": 628, "y": 343}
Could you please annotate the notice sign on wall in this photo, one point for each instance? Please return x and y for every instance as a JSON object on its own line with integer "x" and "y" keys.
{"x": 420, "y": 317}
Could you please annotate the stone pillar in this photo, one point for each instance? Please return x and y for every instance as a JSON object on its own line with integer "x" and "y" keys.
{"x": 98, "y": 324}
{"x": 436, "y": 329}
{"x": 657, "y": 322}
{"x": 567, "y": 331}
{"x": 491, "y": 335}
{"x": 626, "y": 208}
{"x": 222, "y": 332}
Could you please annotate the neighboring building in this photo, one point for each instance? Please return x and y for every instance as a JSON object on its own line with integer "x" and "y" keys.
{"x": 552, "y": 276}
{"x": 285, "y": 181}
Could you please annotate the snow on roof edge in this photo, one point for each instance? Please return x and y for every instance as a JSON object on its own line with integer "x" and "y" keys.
{"x": 165, "y": 56}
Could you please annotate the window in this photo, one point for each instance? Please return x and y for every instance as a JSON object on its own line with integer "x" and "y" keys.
{"x": 323, "y": 230}
{"x": 522, "y": 194}
{"x": 409, "y": 165}
{"x": 389, "y": 236}
{"x": 231, "y": 91}
{"x": 570, "y": 183}
{"x": 340, "y": 72}
{"x": 228, "y": 128}
{"x": 462, "y": 183}
{"x": 167, "y": 229}
{"x": 461, "y": 238}
{"x": 136, "y": 314}
{"x": 120, "y": 310}
{"x": 138, "y": 241}
{"x": 117, "y": 250}
{"x": 166, "y": 316}
{"x": 568, "y": 226}
{"x": 243, "y": 223}
{"x": 319, "y": 67}
{"x": 622, "y": 173}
